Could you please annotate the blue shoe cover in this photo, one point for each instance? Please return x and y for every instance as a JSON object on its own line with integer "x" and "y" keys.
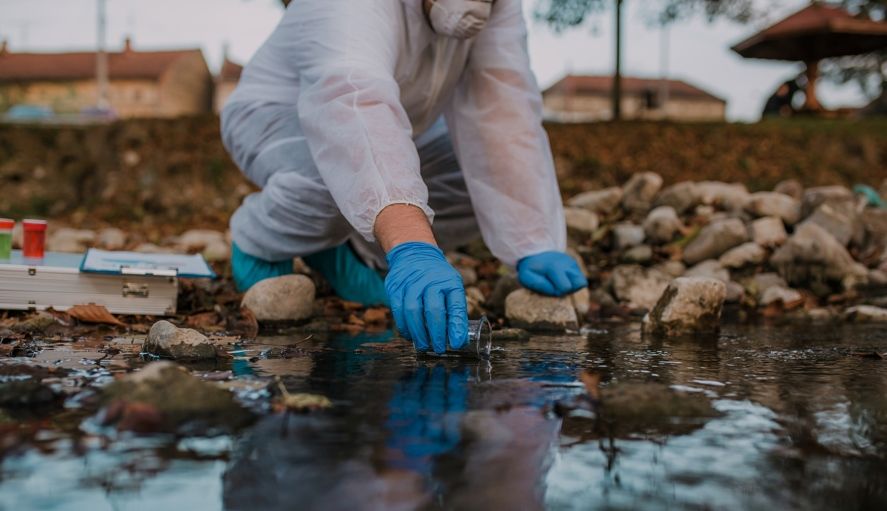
{"x": 249, "y": 269}
{"x": 349, "y": 277}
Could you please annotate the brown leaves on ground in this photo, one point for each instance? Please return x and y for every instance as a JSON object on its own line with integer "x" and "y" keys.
{"x": 92, "y": 313}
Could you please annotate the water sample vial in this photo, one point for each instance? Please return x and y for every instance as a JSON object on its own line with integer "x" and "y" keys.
{"x": 6, "y": 226}
{"x": 480, "y": 340}
{"x": 34, "y": 238}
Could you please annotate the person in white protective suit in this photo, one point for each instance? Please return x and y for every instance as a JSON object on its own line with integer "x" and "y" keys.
{"x": 363, "y": 122}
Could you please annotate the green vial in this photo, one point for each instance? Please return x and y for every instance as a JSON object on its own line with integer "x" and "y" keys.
{"x": 6, "y": 226}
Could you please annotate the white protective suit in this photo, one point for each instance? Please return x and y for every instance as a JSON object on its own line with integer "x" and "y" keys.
{"x": 335, "y": 119}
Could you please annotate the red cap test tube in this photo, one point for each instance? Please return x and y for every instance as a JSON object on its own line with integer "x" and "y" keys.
{"x": 34, "y": 242}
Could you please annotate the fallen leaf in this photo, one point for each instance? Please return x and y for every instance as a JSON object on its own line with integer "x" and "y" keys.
{"x": 205, "y": 321}
{"x": 92, "y": 313}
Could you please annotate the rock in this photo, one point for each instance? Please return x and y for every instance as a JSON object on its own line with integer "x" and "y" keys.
{"x": 66, "y": 239}
{"x": 680, "y": 196}
{"x": 475, "y": 299}
{"x": 217, "y": 251}
{"x": 639, "y": 192}
{"x": 735, "y": 292}
{"x": 811, "y": 253}
{"x": 164, "y": 397}
{"x": 814, "y": 197}
{"x": 710, "y": 268}
{"x": 602, "y": 202}
{"x": 166, "y": 340}
{"x": 581, "y": 301}
{"x": 602, "y": 297}
{"x": 760, "y": 282}
{"x": 638, "y": 405}
{"x": 469, "y": 275}
{"x": 774, "y": 204}
{"x": 661, "y": 224}
{"x": 638, "y": 286}
{"x": 726, "y": 196}
{"x": 821, "y": 315}
{"x": 195, "y": 240}
{"x": 525, "y": 309}
{"x": 673, "y": 268}
{"x": 874, "y": 223}
{"x": 504, "y": 287}
{"x": 746, "y": 254}
{"x": 768, "y": 231}
{"x": 579, "y": 261}
{"x": 640, "y": 254}
{"x": 626, "y": 235}
{"x": 791, "y": 187}
{"x": 111, "y": 238}
{"x": 511, "y": 334}
{"x": 715, "y": 239}
{"x": 866, "y": 314}
{"x": 284, "y": 298}
{"x": 689, "y": 305}
{"x": 27, "y": 386}
{"x": 37, "y": 324}
{"x": 840, "y": 220}
{"x": 788, "y": 297}
{"x": 580, "y": 221}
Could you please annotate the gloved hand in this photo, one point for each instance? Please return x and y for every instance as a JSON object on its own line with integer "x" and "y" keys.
{"x": 551, "y": 273}
{"x": 427, "y": 297}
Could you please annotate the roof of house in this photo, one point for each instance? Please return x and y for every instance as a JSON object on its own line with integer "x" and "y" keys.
{"x": 631, "y": 85}
{"x": 127, "y": 64}
{"x": 230, "y": 71}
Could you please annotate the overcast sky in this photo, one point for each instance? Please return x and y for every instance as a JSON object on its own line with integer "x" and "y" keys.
{"x": 699, "y": 51}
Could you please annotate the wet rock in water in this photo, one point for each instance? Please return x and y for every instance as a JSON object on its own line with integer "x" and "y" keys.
{"x": 710, "y": 268}
{"x": 661, "y": 224}
{"x": 284, "y": 298}
{"x": 164, "y": 397}
{"x": 640, "y": 254}
{"x": 602, "y": 202}
{"x": 768, "y": 231}
{"x": 747, "y": 254}
{"x": 812, "y": 254}
{"x": 111, "y": 238}
{"x": 166, "y": 340}
{"x": 581, "y": 222}
{"x": 626, "y": 235}
{"x": 66, "y": 239}
{"x": 760, "y": 282}
{"x": 673, "y": 268}
{"x": 714, "y": 239}
{"x": 814, "y": 197}
{"x": 774, "y": 204}
{"x": 37, "y": 324}
{"x": 510, "y": 334}
{"x": 679, "y": 196}
{"x": 475, "y": 299}
{"x": 217, "y": 251}
{"x": 839, "y": 220}
{"x": 866, "y": 314}
{"x": 638, "y": 286}
{"x": 581, "y": 301}
{"x": 791, "y": 187}
{"x": 787, "y": 296}
{"x": 526, "y": 309}
{"x": 195, "y": 240}
{"x": 504, "y": 287}
{"x": 726, "y": 196}
{"x": 689, "y": 305}
{"x": 640, "y": 406}
{"x": 23, "y": 385}
{"x": 639, "y": 192}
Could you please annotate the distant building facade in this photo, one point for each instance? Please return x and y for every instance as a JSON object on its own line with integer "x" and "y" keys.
{"x": 141, "y": 83}
{"x": 226, "y": 82}
{"x": 577, "y": 98}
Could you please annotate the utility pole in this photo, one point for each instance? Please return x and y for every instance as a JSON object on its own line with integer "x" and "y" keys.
{"x": 101, "y": 57}
{"x": 617, "y": 75}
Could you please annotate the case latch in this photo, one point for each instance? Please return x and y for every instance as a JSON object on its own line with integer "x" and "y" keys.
{"x": 137, "y": 290}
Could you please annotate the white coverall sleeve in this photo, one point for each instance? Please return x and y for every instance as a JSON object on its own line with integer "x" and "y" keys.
{"x": 495, "y": 122}
{"x": 349, "y": 106}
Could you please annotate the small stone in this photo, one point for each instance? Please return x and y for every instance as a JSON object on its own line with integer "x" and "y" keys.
{"x": 36, "y": 324}
{"x": 579, "y": 261}
{"x": 166, "y": 340}
{"x": 469, "y": 275}
{"x": 760, "y": 282}
{"x": 217, "y": 250}
{"x": 661, "y": 224}
{"x": 638, "y": 286}
{"x": 811, "y": 253}
{"x": 602, "y": 202}
{"x": 602, "y": 297}
{"x": 626, "y": 235}
{"x": 639, "y": 192}
{"x": 689, "y": 305}
{"x": 774, "y": 204}
{"x": 841, "y": 222}
{"x": 525, "y": 309}
{"x": 710, "y": 268}
{"x": 725, "y": 196}
{"x": 768, "y": 231}
{"x": 66, "y": 239}
{"x": 284, "y": 298}
{"x": 195, "y": 240}
{"x": 735, "y": 292}
{"x": 673, "y": 268}
{"x": 580, "y": 221}
{"x": 640, "y": 254}
{"x": 679, "y": 196}
{"x": 111, "y": 238}
{"x": 581, "y": 301}
{"x": 744, "y": 255}
{"x": 820, "y": 314}
{"x": 791, "y": 187}
{"x": 475, "y": 299}
{"x": 788, "y": 297}
{"x": 866, "y": 314}
{"x": 814, "y": 197}
{"x": 714, "y": 239}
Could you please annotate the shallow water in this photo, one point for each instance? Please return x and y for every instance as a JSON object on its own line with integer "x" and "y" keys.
{"x": 802, "y": 425}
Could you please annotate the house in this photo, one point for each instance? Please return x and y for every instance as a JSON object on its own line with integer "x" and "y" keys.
{"x": 226, "y": 82}
{"x": 165, "y": 83}
{"x": 576, "y": 98}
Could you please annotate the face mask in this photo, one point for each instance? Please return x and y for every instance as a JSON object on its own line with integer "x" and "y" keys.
{"x": 461, "y": 19}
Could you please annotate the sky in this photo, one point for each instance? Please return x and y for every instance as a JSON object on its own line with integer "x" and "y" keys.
{"x": 698, "y": 51}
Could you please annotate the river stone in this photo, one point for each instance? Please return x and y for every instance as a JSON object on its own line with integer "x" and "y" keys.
{"x": 474, "y": 297}
{"x": 735, "y": 292}
{"x": 714, "y": 239}
{"x": 66, "y": 239}
{"x": 787, "y": 296}
{"x": 639, "y": 191}
{"x": 774, "y": 204}
{"x": 811, "y": 253}
{"x": 581, "y": 301}
{"x": 726, "y": 196}
{"x": 679, "y": 196}
{"x": 814, "y": 197}
{"x": 111, "y": 238}
{"x": 791, "y": 187}
{"x": 531, "y": 311}
{"x": 166, "y": 340}
{"x": 579, "y": 261}
{"x": 626, "y": 235}
{"x": 602, "y": 202}
{"x": 874, "y": 223}
{"x": 661, "y": 224}
{"x": 217, "y": 250}
{"x": 768, "y": 231}
{"x": 866, "y": 314}
{"x": 640, "y": 254}
{"x": 638, "y": 286}
{"x": 689, "y": 305}
{"x": 284, "y": 298}
{"x": 164, "y": 397}
{"x": 580, "y": 221}
{"x": 839, "y": 220}
{"x": 760, "y": 282}
{"x": 195, "y": 240}
{"x": 744, "y": 255}
{"x": 710, "y": 268}
{"x": 673, "y": 268}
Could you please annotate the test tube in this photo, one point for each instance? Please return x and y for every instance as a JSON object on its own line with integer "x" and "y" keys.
{"x": 479, "y": 345}
{"x": 34, "y": 242}
{"x": 6, "y": 226}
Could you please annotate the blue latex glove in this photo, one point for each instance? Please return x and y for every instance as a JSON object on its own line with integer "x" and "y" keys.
{"x": 551, "y": 273}
{"x": 427, "y": 297}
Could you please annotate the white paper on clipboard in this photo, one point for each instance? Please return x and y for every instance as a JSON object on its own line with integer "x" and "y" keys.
{"x": 136, "y": 263}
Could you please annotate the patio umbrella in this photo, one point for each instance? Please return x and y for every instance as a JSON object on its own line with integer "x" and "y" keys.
{"x": 816, "y": 32}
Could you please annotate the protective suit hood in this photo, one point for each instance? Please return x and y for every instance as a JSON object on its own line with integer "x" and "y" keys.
{"x": 462, "y": 19}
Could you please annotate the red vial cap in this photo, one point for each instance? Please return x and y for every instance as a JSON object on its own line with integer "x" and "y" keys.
{"x": 34, "y": 225}
{"x": 6, "y": 223}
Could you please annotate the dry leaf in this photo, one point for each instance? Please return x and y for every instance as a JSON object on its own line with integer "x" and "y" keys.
{"x": 92, "y": 313}
{"x": 205, "y": 321}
